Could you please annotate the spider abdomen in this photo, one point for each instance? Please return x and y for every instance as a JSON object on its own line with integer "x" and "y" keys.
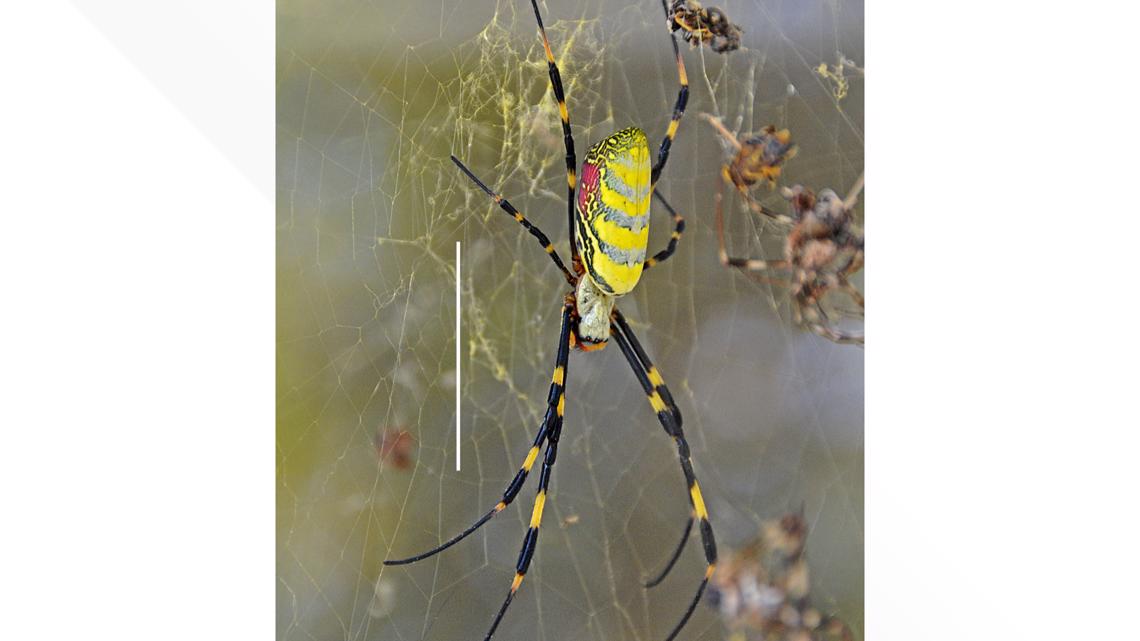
{"x": 613, "y": 210}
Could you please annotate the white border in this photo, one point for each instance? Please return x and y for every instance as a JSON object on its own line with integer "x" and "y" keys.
{"x": 138, "y": 321}
{"x": 1001, "y": 366}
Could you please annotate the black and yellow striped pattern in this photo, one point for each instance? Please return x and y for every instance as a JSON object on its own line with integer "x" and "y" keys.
{"x": 613, "y": 210}
{"x": 678, "y": 230}
{"x": 506, "y": 206}
{"x": 666, "y": 144}
{"x": 567, "y": 139}
{"x": 551, "y": 423}
{"x": 670, "y": 417}
{"x": 678, "y": 106}
{"x": 556, "y": 402}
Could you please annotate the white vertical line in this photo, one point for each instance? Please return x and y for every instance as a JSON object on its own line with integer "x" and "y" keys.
{"x": 458, "y": 342}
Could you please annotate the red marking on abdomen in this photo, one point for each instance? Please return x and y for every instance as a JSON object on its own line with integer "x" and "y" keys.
{"x": 589, "y": 184}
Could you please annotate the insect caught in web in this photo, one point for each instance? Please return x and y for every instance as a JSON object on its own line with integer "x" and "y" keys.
{"x": 609, "y": 230}
{"x": 821, "y": 251}
{"x": 704, "y": 26}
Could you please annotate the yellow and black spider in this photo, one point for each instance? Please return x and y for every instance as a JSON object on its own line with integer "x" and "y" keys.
{"x": 609, "y": 228}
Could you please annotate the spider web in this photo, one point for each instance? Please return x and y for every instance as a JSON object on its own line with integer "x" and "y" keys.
{"x": 372, "y": 97}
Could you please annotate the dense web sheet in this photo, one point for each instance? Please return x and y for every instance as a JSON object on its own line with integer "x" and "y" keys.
{"x": 372, "y": 97}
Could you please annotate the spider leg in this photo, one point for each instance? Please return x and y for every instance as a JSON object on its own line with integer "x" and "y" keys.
{"x": 756, "y": 207}
{"x": 856, "y": 262}
{"x": 661, "y": 401}
{"x": 747, "y": 264}
{"x": 663, "y": 392}
{"x": 567, "y": 138}
{"x": 853, "y": 193}
{"x": 810, "y": 298}
{"x": 672, "y": 559}
{"x": 678, "y": 229}
{"x": 722, "y": 130}
{"x": 678, "y": 107}
{"x": 816, "y": 320}
{"x": 530, "y": 541}
{"x": 506, "y": 206}
{"x": 667, "y": 397}
{"x": 850, "y": 290}
{"x": 837, "y": 282}
{"x": 649, "y": 368}
{"x": 551, "y": 425}
{"x": 761, "y": 210}
{"x": 769, "y": 280}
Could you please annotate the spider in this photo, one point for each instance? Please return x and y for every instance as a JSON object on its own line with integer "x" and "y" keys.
{"x": 608, "y": 224}
{"x": 821, "y": 251}
{"x": 704, "y": 26}
{"x": 758, "y": 157}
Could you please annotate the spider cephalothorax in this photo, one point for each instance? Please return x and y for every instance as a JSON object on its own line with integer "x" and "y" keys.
{"x": 593, "y": 309}
{"x": 609, "y": 229}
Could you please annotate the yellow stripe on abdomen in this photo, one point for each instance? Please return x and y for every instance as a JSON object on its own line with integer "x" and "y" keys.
{"x": 633, "y": 170}
{"x": 613, "y": 210}
{"x": 613, "y": 233}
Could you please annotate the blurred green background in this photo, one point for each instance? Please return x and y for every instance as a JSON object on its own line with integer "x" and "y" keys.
{"x": 372, "y": 97}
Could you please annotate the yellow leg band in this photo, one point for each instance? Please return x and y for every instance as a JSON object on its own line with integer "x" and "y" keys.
{"x": 536, "y": 515}
{"x": 530, "y": 456}
{"x": 698, "y": 501}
